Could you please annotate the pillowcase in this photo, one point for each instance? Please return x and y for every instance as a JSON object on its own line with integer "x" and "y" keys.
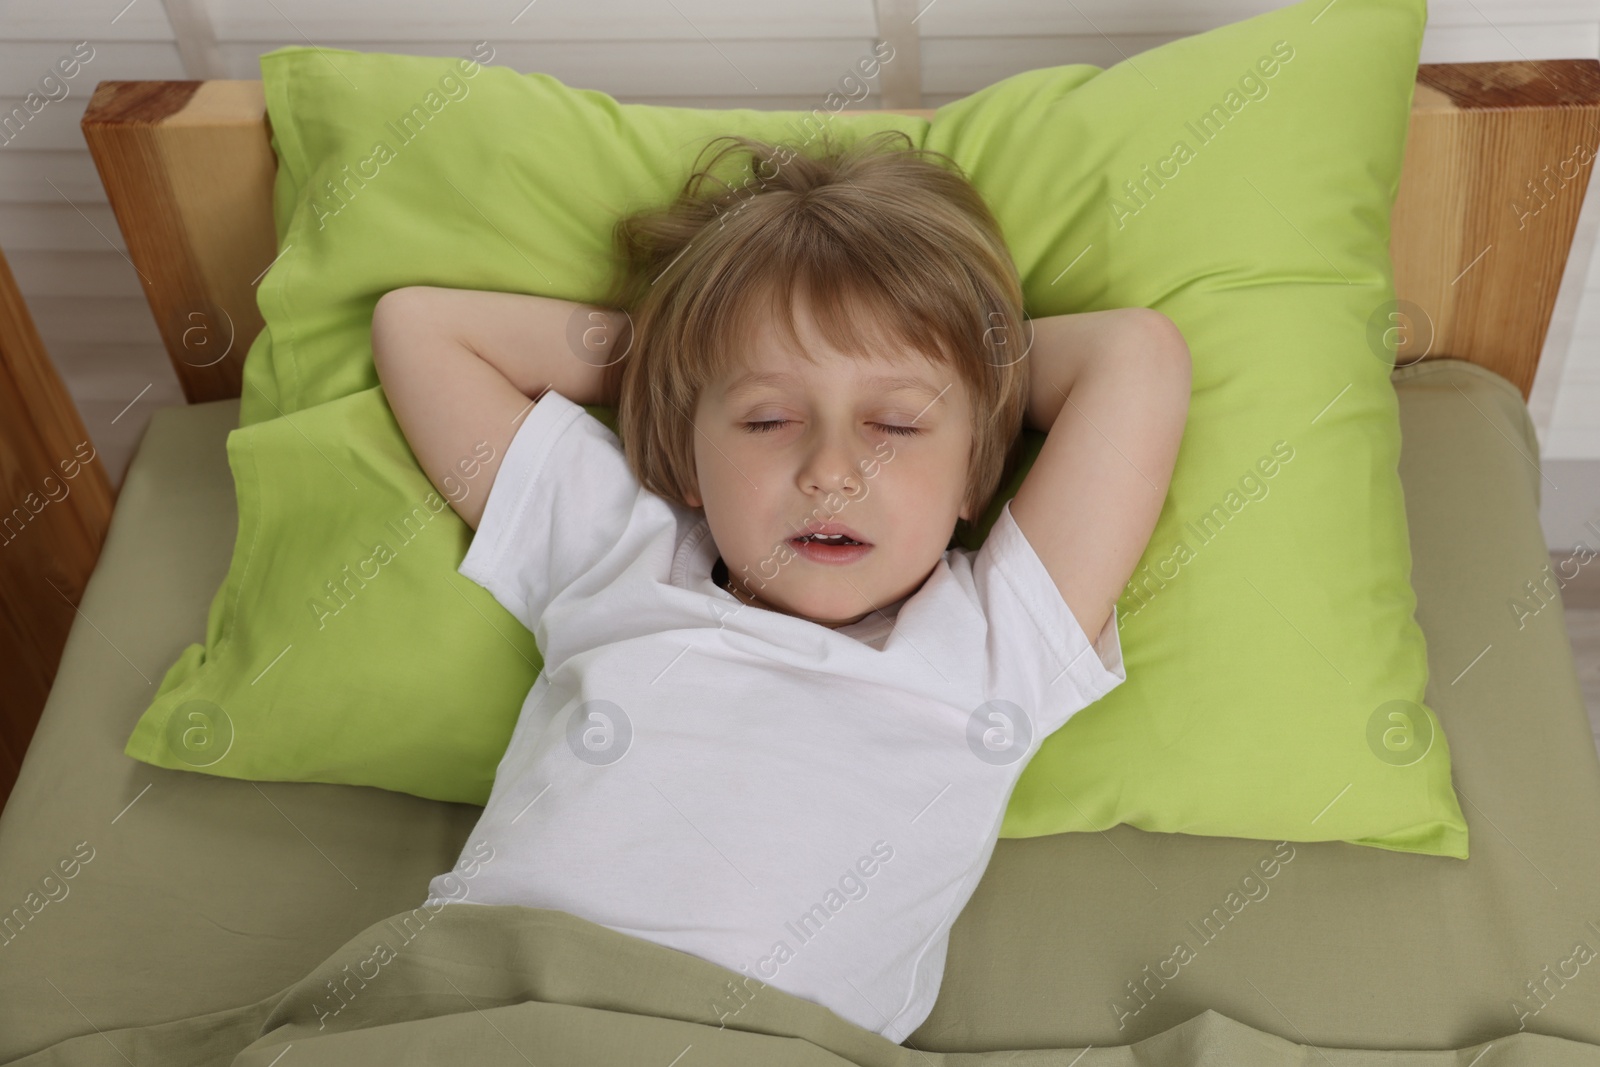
{"x": 1240, "y": 181}
{"x": 343, "y": 646}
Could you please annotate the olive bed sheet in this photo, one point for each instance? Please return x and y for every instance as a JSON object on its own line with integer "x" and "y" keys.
{"x": 199, "y": 896}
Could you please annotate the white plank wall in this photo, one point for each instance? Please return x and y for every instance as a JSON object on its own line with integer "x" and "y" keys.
{"x": 63, "y": 244}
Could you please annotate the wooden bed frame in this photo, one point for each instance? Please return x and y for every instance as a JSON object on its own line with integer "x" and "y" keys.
{"x": 1497, "y": 162}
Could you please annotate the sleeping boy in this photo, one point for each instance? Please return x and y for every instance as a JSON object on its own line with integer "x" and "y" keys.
{"x": 781, "y": 713}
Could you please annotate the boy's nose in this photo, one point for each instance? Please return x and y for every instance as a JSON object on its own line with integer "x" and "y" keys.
{"x": 831, "y": 468}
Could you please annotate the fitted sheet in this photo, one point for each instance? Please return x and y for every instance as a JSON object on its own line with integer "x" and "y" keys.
{"x": 207, "y": 893}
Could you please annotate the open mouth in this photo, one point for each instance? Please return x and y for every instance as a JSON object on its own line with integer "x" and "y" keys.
{"x": 832, "y": 548}
{"x": 829, "y": 539}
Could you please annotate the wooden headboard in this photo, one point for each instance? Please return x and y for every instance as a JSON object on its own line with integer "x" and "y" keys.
{"x": 1497, "y": 162}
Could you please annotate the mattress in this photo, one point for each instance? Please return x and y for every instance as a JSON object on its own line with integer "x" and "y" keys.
{"x": 193, "y": 894}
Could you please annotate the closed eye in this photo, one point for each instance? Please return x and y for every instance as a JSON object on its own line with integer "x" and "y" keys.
{"x": 772, "y": 424}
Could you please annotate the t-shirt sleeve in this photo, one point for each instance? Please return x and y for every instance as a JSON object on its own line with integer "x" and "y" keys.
{"x": 560, "y": 502}
{"x": 1038, "y": 654}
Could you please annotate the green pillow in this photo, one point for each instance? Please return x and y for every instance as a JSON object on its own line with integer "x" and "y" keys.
{"x": 343, "y": 646}
{"x": 1240, "y": 181}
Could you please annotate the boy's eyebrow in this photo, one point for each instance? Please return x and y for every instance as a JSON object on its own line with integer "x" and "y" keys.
{"x": 887, "y": 383}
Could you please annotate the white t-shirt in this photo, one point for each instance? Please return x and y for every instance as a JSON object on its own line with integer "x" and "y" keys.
{"x": 811, "y": 807}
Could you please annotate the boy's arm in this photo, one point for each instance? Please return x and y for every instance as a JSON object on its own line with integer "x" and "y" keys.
{"x": 1111, "y": 388}
{"x": 460, "y": 368}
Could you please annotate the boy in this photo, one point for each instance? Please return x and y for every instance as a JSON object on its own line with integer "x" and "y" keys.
{"x": 780, "y": 716}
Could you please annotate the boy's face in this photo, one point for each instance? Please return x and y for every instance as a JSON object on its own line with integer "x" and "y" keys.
{"x": 830, "y": 458}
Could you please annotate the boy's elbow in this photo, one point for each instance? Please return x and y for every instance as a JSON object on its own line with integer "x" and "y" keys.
{"x": 390, "y": 318}
{"x": 394, "y": 302}
{"x": 1160, "y": 339}
{"x": 1160, "y": 333}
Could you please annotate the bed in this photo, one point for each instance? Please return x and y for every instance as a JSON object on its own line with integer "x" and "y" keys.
{"x": 204, "y": 914}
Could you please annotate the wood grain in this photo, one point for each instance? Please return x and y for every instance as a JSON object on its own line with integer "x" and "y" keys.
{"x": 55, "y": 505}
{"x": 1497, "y": 161}
{"x": 188, "y": 168}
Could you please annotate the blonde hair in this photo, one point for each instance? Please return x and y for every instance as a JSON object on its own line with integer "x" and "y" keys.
{"x": 875, "y": 229}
